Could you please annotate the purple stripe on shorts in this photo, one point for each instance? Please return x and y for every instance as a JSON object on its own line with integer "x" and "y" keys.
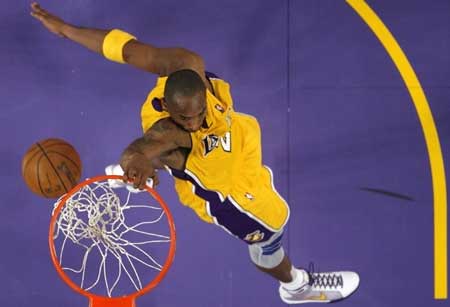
{"x": 226, "y": 214}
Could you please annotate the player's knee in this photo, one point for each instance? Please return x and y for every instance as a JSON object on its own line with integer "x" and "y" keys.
{"x": 267, "y": 260}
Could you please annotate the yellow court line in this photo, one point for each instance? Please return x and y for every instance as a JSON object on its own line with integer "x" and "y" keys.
{"x": 431, "y": 139}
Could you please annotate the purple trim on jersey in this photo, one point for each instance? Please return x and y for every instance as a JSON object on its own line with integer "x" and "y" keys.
{"x": 226, "y": 214}
{"x": 211, "y": 75}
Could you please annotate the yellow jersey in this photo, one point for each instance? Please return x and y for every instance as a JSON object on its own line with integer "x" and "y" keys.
{"x": 224, "y": 180}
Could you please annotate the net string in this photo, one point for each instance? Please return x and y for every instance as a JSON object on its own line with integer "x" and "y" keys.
{"x": 94, "y": 219}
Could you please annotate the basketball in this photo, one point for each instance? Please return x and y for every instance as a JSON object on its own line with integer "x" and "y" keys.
{"x": 51, "y": 167}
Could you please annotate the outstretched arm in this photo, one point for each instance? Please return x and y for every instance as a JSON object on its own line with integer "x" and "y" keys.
{"x": 161, "y": 61}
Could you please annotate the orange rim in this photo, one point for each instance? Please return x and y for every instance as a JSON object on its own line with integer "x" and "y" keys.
{"x": 94, "y": 297}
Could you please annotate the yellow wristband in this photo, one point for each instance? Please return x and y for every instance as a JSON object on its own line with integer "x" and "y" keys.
{"x": 113, "y": 45}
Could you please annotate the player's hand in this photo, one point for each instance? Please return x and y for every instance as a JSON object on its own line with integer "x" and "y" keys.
{"x": 137, "y": 168}
{"x": 53, "y": 23}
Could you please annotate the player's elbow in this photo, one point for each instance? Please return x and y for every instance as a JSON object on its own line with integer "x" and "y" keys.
{"x": 197, "y": 61}
{"x": 183, "y": 58}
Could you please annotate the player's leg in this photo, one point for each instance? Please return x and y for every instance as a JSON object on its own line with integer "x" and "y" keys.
{"x": 269, "y": 257}
{"x": 298, "y": 286}
{"x": 281, "y": 272}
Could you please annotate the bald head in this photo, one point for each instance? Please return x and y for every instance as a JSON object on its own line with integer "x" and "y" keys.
{"x": 183, "y": 83}
{"x": 185, "y": 99}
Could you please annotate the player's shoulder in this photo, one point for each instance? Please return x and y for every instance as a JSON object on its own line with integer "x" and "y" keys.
{"x": 245, "y": 117}
{"x": 165, "y": 123}
{"x": 245, "y": 123}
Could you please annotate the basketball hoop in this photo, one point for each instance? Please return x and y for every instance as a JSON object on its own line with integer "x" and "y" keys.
{"x": 106, "y": 243}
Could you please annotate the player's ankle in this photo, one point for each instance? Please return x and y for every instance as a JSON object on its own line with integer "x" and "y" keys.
{"x": 299, "y": 279}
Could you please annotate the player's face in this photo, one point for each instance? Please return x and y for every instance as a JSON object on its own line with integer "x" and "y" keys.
{"x": 188, "y": 111}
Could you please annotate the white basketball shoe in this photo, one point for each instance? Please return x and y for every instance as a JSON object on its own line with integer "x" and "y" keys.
{"x": 324, "y": 287}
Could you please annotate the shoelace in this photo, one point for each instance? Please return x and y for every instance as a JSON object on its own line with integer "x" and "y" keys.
{"x": 325, "y": 281}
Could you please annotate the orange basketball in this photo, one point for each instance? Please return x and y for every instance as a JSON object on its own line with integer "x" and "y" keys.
{"x": 51, "y": 167}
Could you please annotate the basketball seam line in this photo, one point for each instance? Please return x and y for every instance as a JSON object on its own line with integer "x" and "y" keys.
{"x": 54, "y": 143}
{"x": 24, "y": 167}
{"x": 54, "y": 168}
{"x": 37, "y": 173}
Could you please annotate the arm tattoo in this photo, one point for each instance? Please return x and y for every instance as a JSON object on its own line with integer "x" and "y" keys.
{"x": 166, "y": 130}
{"x": 161, "y": 129}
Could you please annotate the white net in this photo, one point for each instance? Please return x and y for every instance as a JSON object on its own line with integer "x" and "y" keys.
{"x": 105, "y": 243}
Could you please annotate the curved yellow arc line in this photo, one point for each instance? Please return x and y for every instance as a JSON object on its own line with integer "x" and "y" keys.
{"x": 431, "y": 139}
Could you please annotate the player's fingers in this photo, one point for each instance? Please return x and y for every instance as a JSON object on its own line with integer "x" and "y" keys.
{"x": 135, "y": 179}
{"x": 41, "y": 11}
{"x": 138, "y": 181}
{"x": 144, "y": 182}
{"x": 44, "y": 13}
{"x": 132, "y": 173}
{"x": 155, "y": 180}
{"x": 143, "y": 185}
{"x": 128, "y": 175}
{"x": 36, "y": 8}
{"x": 37, "y": 16}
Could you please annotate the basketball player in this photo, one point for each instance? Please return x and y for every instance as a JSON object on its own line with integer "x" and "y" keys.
{"x": 214, "y": 154}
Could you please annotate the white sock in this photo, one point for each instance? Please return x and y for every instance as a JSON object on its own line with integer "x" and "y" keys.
{"x": 299, "y": 279}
